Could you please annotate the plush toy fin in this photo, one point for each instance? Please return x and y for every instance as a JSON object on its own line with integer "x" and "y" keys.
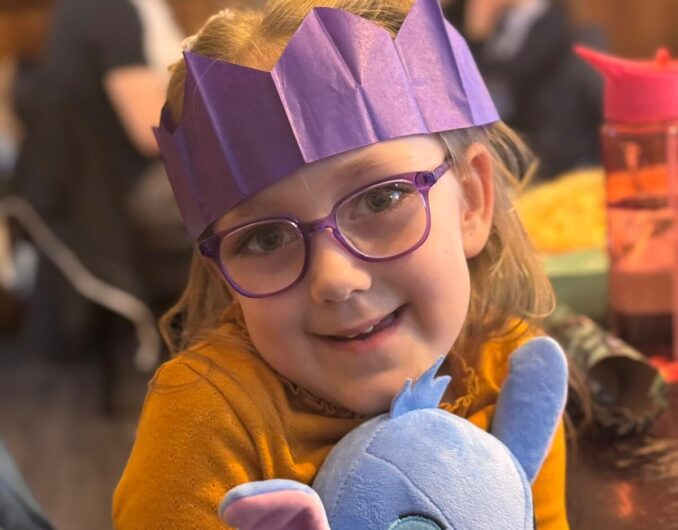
{"x": 425, "y": 393}
{"x": 273, "y": 505}
{"x": 531, "y": 402}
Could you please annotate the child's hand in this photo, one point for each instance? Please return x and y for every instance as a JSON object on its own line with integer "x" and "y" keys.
{"x": 274, "y": 505}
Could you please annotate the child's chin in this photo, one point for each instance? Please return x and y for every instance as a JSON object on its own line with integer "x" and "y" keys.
{"x": 370, "y": 403}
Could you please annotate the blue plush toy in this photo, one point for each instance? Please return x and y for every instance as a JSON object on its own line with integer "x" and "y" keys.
{"x": 421, "y": 468}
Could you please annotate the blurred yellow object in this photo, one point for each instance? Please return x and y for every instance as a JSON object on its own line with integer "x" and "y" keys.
{"x": 566, "y": 214}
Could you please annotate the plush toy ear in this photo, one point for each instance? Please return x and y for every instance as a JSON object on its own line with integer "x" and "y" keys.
{"x": 531, "y": 402}
{"x": 273, "y": 505}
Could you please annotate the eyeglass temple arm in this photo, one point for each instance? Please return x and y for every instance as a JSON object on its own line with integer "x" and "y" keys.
{"x": 428, "y": 178}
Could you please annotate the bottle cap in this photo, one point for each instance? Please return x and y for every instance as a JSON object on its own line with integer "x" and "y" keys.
{"x": 637, "y": 91}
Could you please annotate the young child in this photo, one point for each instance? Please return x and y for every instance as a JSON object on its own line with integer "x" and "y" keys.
{"x": 353, "y": 220}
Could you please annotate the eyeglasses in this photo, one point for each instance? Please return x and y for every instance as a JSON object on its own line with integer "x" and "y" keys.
{"x": 381, "y": 221}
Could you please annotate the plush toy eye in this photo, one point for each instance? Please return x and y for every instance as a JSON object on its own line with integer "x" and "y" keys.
{"x": 414, "y": 522}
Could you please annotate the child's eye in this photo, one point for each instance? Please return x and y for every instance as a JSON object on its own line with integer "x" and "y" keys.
{"x": 266, "y": 238}
{"x": 381, "y": 199}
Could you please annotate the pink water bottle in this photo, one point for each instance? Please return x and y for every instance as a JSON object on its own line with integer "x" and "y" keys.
{"x": 639, "y": 140}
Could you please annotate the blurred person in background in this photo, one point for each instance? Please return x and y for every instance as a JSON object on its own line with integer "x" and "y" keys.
{"x": 87, "y": 111}
{"x": 524, "y": 51}
{"x": 89, "y": 159}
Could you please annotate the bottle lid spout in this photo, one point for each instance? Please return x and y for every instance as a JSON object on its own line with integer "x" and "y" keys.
{"x": 663, "y": 58}
{"x": 637, "y": 91}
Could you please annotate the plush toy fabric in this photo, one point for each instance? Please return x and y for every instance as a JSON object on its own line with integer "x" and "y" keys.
{"x": 421, "y": 468}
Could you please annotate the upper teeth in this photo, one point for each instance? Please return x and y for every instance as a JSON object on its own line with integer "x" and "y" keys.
{"x": 361, "y": 333}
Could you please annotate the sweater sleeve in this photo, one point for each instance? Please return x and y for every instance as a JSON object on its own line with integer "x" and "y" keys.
{"x": 191, "y": 448}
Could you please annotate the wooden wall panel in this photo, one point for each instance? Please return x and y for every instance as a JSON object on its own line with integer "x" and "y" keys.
{"x": 23, "y": 28}
{"x": 635, "y": 28}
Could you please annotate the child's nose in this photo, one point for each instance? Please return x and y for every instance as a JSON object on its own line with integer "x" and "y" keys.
{"x": 334, "y": 272}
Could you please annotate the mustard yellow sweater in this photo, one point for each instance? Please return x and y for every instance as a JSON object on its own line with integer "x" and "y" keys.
{"x": 219, "y": 416}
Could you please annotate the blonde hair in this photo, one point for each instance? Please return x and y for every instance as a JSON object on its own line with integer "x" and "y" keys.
{"x": 508, "y": 283}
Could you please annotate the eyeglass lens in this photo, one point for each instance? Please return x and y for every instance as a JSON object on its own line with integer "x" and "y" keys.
{"x": 379, "y": 222}
{"x": 383, "y": 221}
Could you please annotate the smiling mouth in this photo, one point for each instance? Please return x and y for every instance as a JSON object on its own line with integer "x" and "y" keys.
{"x": 372, "y": 330}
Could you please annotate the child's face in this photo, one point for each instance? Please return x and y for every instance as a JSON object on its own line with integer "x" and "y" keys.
{"x": 422, "y": 297}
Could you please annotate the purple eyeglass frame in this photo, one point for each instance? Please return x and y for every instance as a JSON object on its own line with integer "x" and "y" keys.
{"x": 423, "y": 181}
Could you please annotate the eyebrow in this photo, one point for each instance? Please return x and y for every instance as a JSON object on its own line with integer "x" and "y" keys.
{"x": 246, "y": 210}
{"x": 355, "y": 167}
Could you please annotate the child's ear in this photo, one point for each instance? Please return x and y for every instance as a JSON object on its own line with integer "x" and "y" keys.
{"x": 477, "y": 187}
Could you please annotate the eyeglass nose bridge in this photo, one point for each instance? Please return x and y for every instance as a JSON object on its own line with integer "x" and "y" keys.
{"x": 321, "y": 224}
{"x": 329, "y": 221}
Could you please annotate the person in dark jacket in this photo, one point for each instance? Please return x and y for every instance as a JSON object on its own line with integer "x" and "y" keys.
{"x": 88, "y": 110}
{"x": 524, "y": 51}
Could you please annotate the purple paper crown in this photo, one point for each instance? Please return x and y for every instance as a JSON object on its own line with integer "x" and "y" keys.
{"x": 341, "y": 83}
